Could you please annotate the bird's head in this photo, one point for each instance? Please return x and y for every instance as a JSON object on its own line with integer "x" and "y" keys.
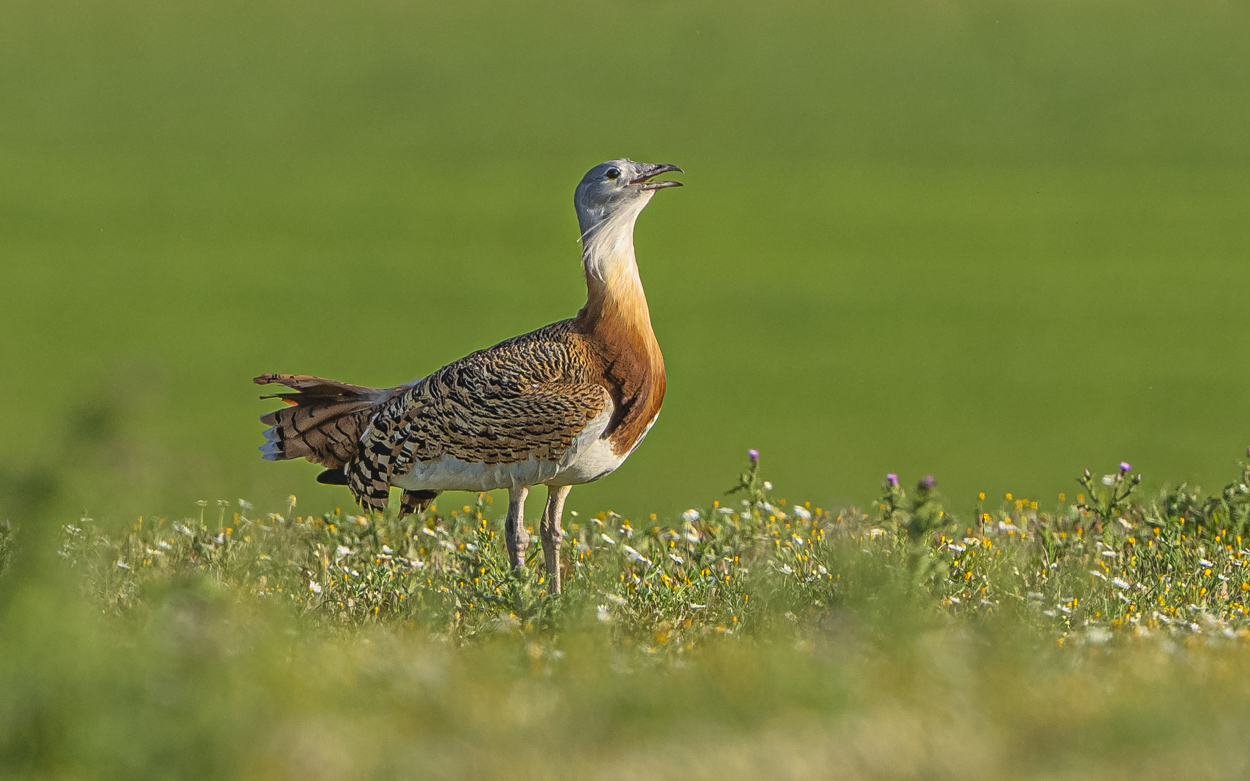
{"x": 618, "y": 188}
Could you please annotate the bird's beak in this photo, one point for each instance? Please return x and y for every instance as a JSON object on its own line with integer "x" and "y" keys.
{"x": 652, "y": 171}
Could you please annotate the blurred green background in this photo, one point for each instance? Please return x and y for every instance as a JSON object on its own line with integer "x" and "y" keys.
{"x": 993, "y": 241}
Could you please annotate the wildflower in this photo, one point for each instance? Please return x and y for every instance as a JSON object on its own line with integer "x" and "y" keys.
{"x": 121, "y": 564}
{"x": 786, "y": 569}
{"x": 246, "y": 505}
{"x": 603, "y": 614}
{"x": 690, "y": 516}
{"x": 343, "y": 550}
{"x": 635, "y": 556}
{"x": 1098, "y": 635}
{"x": 1125, "y": 466}
{"x": 754, "y": 455}
{"x": 608, "y": 539}
{"x": 768, "y": 486}
{"x": 314, "y": 587}
{"x": 1120, "y": 583}
{"x": 803, "y": 512}
{"x": 892, "y": 479}
{"x": 928, "y": 482}
{"x": 1108, "y": 479}
{"x": 693, "y": 606}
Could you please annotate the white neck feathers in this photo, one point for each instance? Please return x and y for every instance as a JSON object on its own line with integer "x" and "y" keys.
{"x": 608, "y": 253}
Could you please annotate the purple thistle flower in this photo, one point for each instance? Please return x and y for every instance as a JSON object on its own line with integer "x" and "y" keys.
{"x": 754, "y": 455}
{"x": 1125, "y": 466}
{"x": 892, "y": 479}
{"x": 929, "y": 481}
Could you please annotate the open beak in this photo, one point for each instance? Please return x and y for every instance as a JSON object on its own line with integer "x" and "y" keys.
{"x": 652, "y": 171}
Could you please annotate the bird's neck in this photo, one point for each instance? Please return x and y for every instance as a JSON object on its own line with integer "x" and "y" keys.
{"x": 616, "y": 307}
{"x": 616, "y": 319}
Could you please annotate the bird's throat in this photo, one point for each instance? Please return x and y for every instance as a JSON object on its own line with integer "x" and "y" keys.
{"x": 616, "y": 306}
{"x": 616, "y": 320}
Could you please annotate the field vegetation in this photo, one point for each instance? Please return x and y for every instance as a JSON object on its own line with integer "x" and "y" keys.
{"x": 988, "y": 240}
{"x": 1100, "y": 636}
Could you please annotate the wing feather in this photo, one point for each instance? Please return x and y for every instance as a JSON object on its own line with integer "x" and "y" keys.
{"x": 528, "y": 397}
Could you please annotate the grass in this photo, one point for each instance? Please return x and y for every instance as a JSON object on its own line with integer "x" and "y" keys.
{"x": 1101, "y": 562}
{"x": 1106, "y": 636}
{"x": 986, "y": 240}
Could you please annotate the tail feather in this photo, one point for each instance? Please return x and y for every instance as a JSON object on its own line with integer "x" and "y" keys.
{"x": 333, "y": 477}
{"x": 323, "y": 420}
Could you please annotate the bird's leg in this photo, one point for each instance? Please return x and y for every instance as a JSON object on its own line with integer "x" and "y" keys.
{"x": 514, "y": 528}
{"x": 552, "y": 533}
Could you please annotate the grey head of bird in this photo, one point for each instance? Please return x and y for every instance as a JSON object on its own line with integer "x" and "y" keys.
{"x": 617, "y": 191}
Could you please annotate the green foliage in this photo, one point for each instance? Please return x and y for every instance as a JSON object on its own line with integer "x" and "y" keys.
{"x": 1103, "y": 562}
{"x": 738, "y": 637}
{"x": 6, "y": 544}
{"x": 1227, "y": 511}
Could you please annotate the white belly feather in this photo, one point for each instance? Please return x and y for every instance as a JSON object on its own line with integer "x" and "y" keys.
{"x": 589, "y": 458}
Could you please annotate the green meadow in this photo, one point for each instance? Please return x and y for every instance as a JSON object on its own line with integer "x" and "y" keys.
{"x": 1103, "y": 638}
{"x": 994, "y": 242}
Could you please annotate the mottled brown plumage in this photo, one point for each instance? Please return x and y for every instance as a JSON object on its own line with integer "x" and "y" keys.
{"x": 527, "y": 397}
{"x": 561, "y": 405}
{"x": 323, "y": 420}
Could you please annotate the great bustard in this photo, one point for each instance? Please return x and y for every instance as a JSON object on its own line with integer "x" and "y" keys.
{"x": 560, "y": 406}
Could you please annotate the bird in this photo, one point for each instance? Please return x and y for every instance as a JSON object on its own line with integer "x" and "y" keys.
{"x": 560, "y": 406}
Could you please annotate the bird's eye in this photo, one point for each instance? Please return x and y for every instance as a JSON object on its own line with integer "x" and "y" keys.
{"x": 613, "y": 173}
